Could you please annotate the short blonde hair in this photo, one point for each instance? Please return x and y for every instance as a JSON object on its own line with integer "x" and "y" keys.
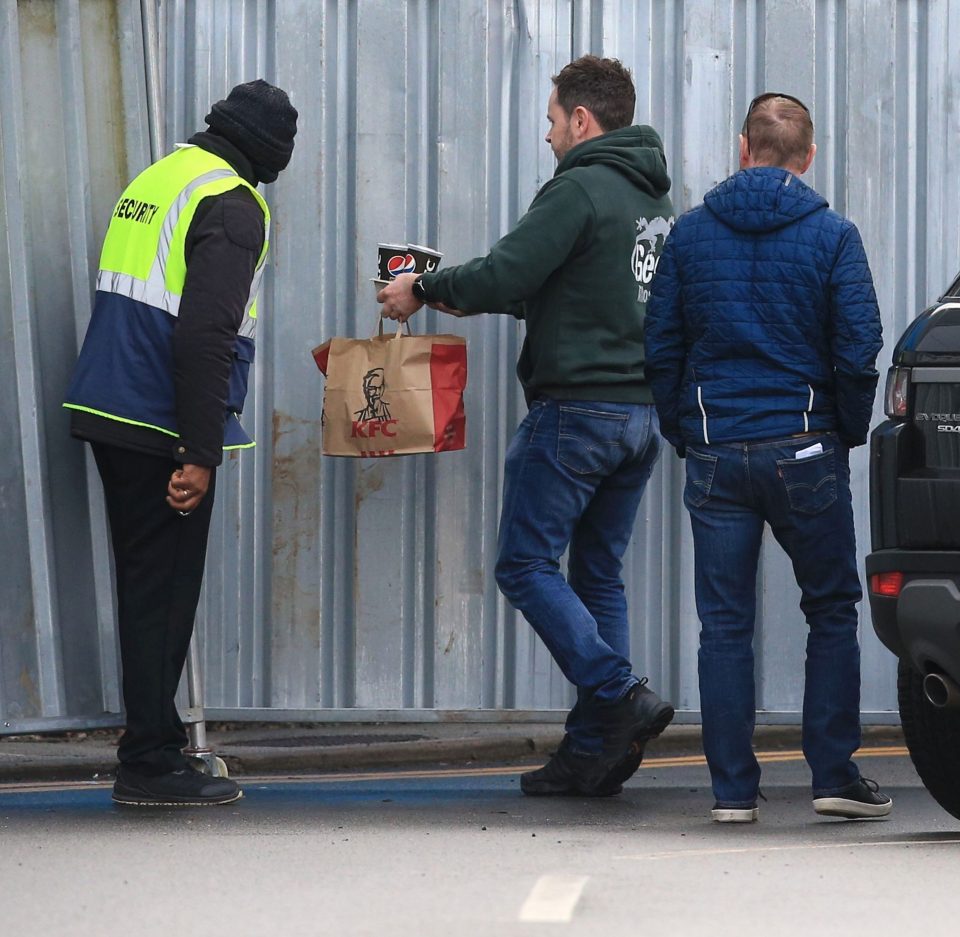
{"x": 779, "y": 130}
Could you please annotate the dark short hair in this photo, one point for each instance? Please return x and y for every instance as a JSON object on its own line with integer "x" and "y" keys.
{"x": 779, "y": 130}
{"x": 602, "y": 86}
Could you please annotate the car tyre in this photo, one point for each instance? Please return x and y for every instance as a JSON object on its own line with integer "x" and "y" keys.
{"x": 933, "y": 738}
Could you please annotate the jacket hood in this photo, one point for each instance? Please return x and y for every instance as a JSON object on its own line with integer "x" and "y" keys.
{"x": 764, "y": 198}
{"x": 636, "y": 152}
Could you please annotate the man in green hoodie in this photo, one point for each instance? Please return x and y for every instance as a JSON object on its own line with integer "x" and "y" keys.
{"x": 577, "y": 269}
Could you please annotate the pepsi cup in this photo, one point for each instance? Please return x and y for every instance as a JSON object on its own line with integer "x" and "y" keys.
{"x": 425, "y": 259}
{"x": 394, "y": 259}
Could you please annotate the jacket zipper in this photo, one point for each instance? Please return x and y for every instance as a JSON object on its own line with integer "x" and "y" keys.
{"x": 706, "y": 438}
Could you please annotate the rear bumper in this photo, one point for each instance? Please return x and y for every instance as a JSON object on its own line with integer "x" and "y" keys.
{"x": 922, "y": 623}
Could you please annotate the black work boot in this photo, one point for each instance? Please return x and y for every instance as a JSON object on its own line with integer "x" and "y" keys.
{"x": 186, "y": 787}
{"x": 567, "y": 774}
{"x": 628, "y": 725}
{"x": 625, "y": 769}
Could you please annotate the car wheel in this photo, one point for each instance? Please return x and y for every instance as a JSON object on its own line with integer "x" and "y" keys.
{"x": 933, "y": 738}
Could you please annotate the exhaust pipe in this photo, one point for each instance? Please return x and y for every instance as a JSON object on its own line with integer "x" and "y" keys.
{"x": 941, "y": 692}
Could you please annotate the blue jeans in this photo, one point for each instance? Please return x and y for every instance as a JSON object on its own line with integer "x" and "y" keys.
{"x": 574, "y": 475}
{"x": 731, "y": 491}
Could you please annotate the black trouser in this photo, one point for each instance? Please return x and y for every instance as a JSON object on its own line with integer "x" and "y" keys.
{"x": 159, "y": 558}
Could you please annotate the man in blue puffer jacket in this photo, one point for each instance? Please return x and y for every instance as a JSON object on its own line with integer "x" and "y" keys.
{"x": 761, "y": 336}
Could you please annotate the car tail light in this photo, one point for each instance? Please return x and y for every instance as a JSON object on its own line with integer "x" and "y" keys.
{"x": 888, "y": 584}
{"x": 897, "y": 393}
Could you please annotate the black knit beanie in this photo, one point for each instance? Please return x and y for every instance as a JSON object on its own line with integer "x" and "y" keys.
{"x": 259, "y": 120}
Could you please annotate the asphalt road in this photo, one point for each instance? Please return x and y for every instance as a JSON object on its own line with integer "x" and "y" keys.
{"x": 462, "y": 852}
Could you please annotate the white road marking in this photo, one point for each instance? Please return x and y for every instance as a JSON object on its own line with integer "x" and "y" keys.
{"x": 684, "y": 853}
{"x": 553, "y": 899}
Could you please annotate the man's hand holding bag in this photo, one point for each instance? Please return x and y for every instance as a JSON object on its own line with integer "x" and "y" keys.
{"x": 394, "y": 394}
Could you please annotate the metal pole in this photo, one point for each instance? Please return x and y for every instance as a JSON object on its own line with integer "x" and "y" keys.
{"x": 193, "y": 717}
{"x": 152, "y": 61}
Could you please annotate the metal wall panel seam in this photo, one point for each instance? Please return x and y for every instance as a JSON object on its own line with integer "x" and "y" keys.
{"x": 344, "y": 627}
{"x": 420, "y": 614}
{"x": 418, "y": 514}
{"x": 827, "y": 104}
{"x": 331, "y": 113}
{"x": 80, "y": 251}
{"x": 909, "y": 172}
{"x": 260, "y": 532}
{"x": 468, "y": 211}
{"x": 491, "y": 378}
{"x": 49, "y": 662}
{"x": 133, "y": 87}
{"x": 154, "y": 79}
{"x": 533, "y": 60}
{"x": 873, "y": 155}
{"x": 225, "y": 621}
{"x": 505, "y": 40}
{"x": 10, "y": 466}
{"x": 255, "y": 651}
{"x": 252, "y": 646}
{"x": 178, "y": 64}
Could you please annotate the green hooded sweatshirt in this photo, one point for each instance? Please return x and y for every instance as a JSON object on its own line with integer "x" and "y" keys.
{"x": 577, "y": 268}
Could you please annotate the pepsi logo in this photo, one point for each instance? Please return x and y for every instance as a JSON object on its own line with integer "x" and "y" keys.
{"x": 400, "y": 263}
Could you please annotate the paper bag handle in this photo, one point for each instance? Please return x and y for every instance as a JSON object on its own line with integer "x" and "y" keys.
{"x": 400, "y": 326}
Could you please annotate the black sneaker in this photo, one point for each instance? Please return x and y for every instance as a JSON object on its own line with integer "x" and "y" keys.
{"x": 628, "y": 725}
{"x": 567, "y": 774}
{"x": 860, "y": 799}
{"x": 184, "y": 788}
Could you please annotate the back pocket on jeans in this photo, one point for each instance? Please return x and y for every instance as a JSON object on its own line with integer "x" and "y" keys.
{"x": 589, "y": 440}
{"x": 701, "y": 468}
{"x": 811, "y": 484}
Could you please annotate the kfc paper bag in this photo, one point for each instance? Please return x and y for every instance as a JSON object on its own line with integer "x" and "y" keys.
{"x": 393, "y": 394}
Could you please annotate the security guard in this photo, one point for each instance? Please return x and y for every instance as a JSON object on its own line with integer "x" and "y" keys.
{"x": 157, "y": 392}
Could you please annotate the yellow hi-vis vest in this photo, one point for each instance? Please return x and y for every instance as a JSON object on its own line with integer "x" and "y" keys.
{"x": 125, "y": 368}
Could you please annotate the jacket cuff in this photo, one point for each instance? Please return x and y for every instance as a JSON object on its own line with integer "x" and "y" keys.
{"x": 185, "y": 454}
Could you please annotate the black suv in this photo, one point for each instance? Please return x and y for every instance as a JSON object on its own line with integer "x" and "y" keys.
{"x": 914, "y": 569}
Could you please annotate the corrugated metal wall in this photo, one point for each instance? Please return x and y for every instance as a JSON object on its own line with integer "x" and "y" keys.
{"x": 349, "y": 589}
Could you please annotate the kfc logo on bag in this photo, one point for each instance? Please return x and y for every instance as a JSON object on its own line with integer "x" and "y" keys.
{"x": 416, "y": 408}
{"x": 401, "y": 263}
{"x": 374, "y": 419}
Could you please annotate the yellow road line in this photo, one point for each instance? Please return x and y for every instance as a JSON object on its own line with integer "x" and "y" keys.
{"x": 675, "y": 761}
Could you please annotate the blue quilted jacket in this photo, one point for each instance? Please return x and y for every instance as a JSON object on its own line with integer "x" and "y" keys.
{"x": 763, "y": 320}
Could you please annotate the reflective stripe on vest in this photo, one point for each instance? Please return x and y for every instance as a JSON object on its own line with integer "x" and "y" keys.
{"x": 163, "y": 285}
